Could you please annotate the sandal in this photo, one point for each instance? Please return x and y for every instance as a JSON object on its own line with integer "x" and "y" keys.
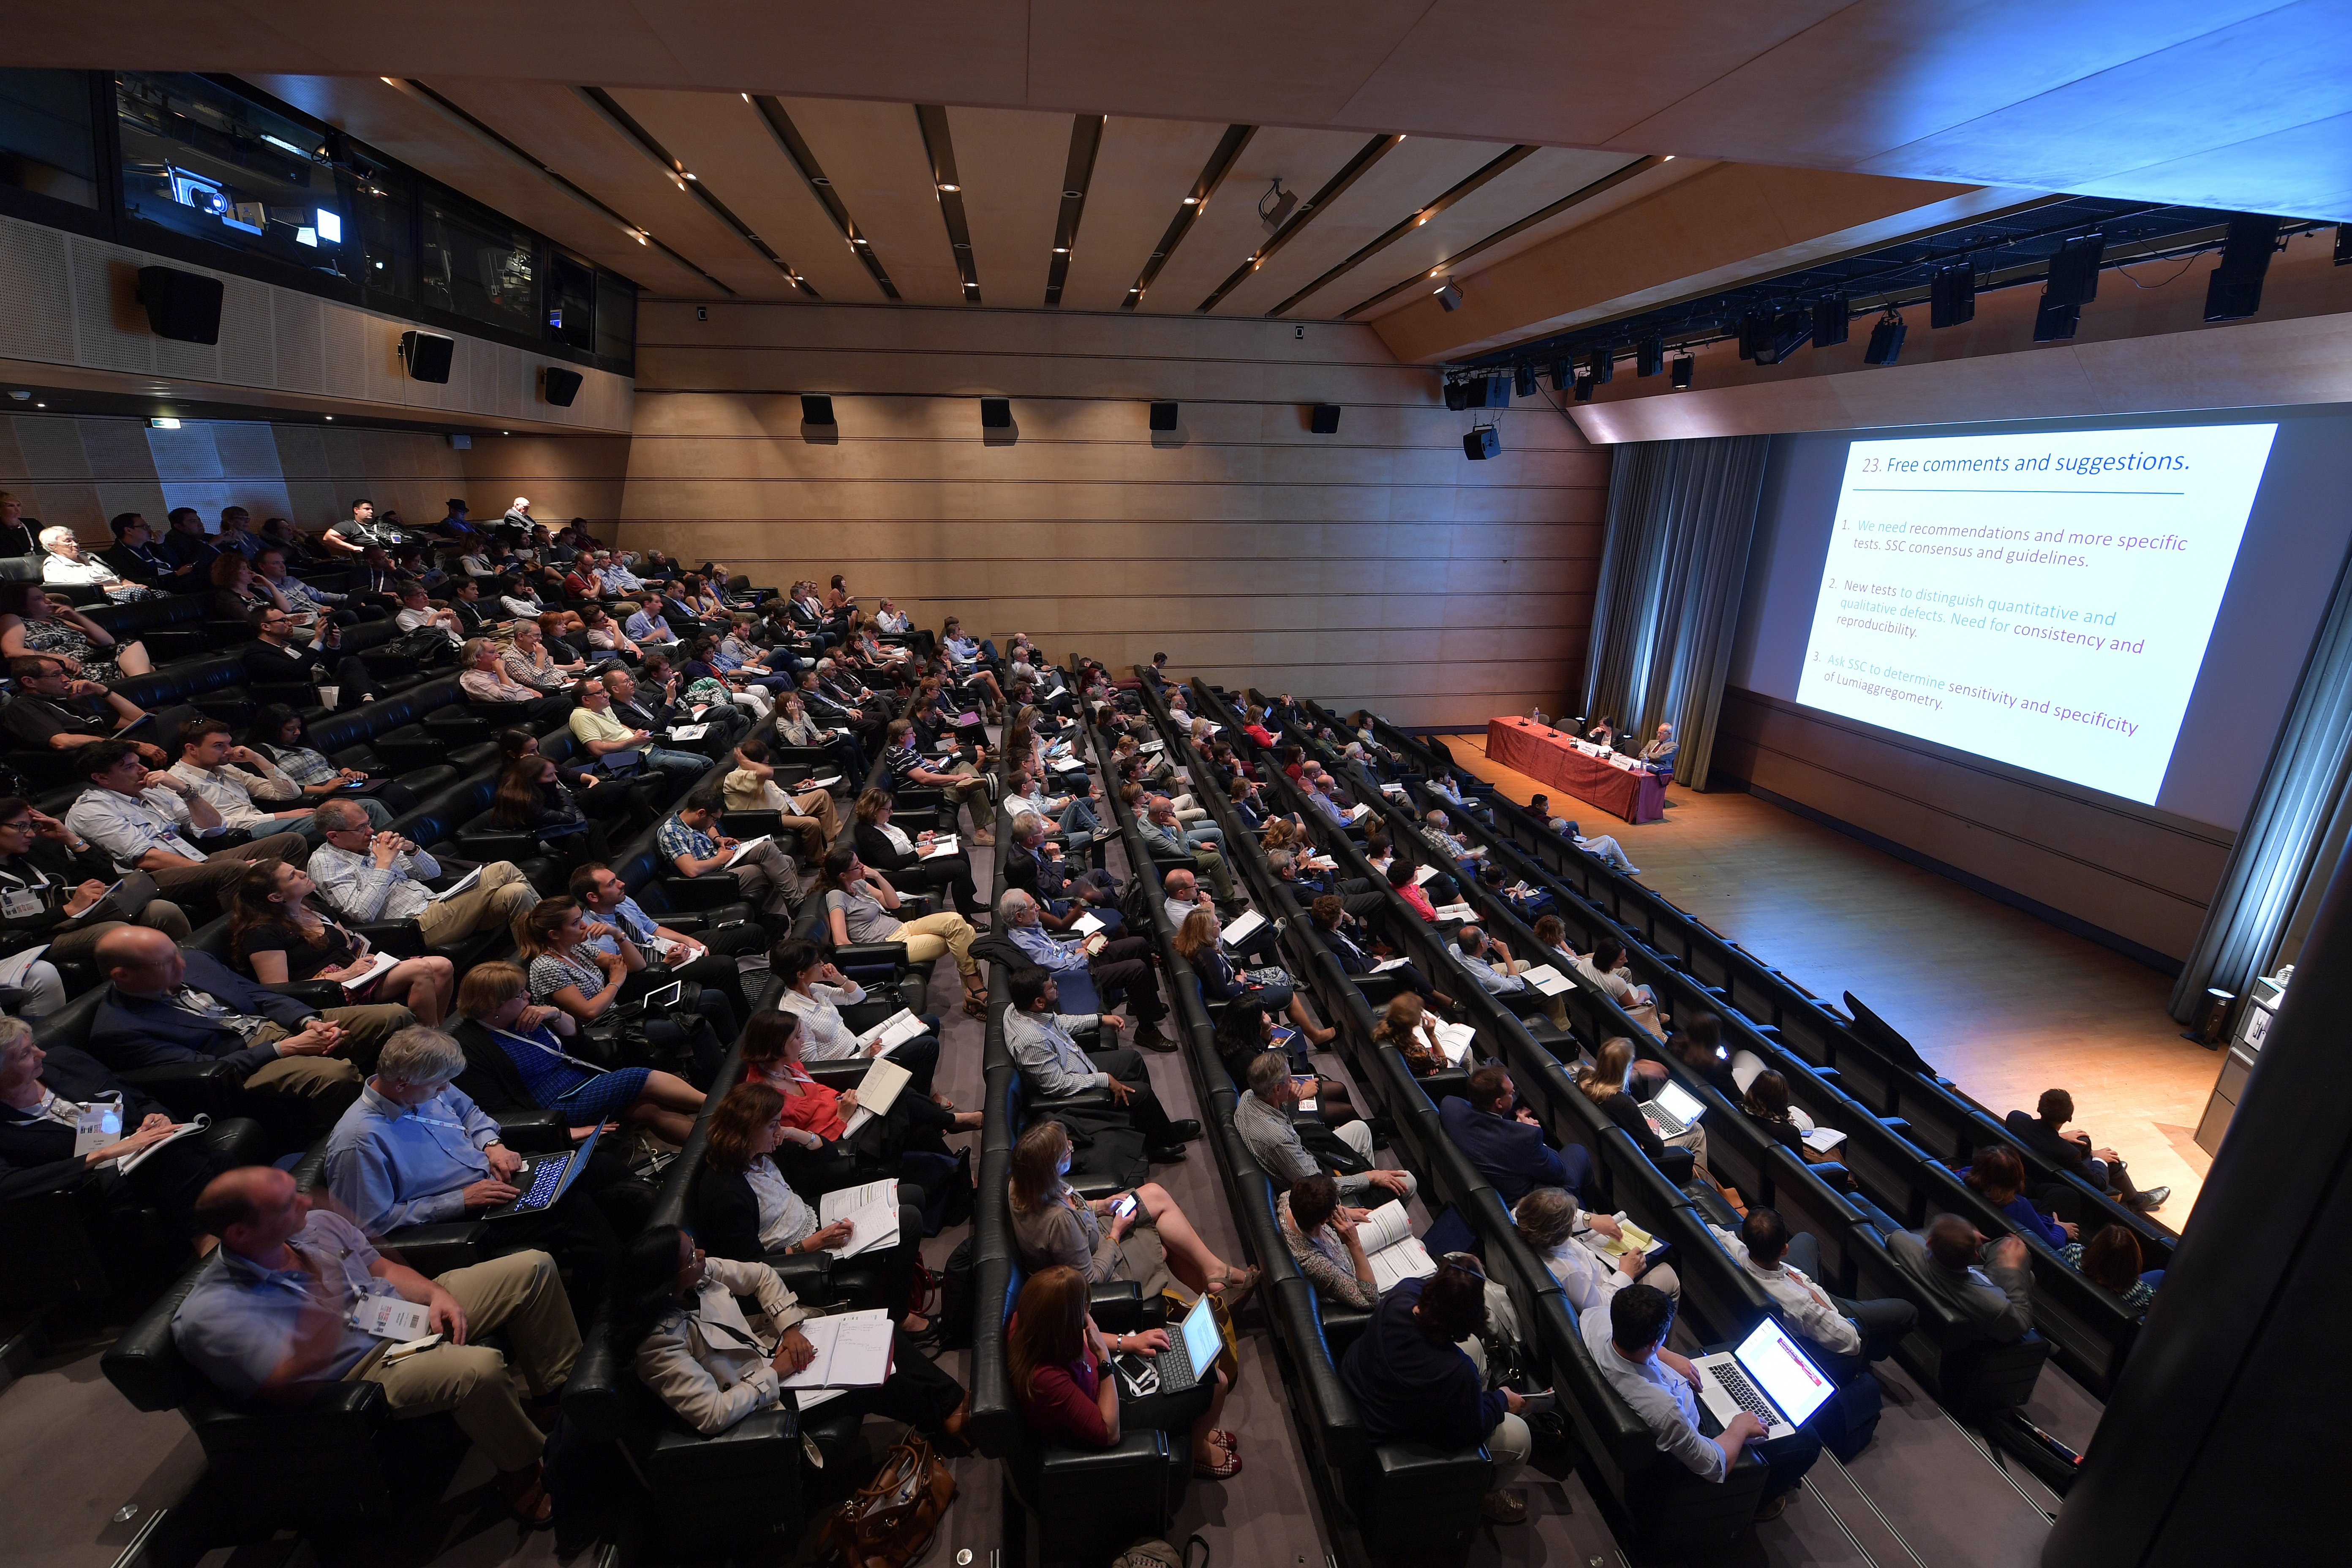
{"x": 975, "y": 1004}
{"x": 527, "y": 1497}
{"x": 1218, "y": 1469}
{"x": 1235, "y": 1287}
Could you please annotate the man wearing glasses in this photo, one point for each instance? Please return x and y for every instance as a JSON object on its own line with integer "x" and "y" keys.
{"x": 274, "y": 656}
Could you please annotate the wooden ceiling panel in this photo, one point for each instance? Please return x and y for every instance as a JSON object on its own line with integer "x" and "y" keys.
{"x": 931, "y": 51}
{"x": 1228, "y": 230}
{"x": 1532, "y": 184}
{"x": 873, "y": 154}
{"x": 728, "y": 147}
{"x": 1009, "y": 163}
{"x": 1143, "y": 170}
{"x": 421, "y": 135}
{"x": 1388, "y": 193}
{"x": 558, "y": 126}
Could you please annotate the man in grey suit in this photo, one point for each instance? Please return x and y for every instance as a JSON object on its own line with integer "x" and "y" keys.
{"x": 1660, "y": 754}
{"x": 1994, "y": 1297}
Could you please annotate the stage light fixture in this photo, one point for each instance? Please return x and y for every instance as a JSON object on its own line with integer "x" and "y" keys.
{"x": 1457, "y": 395}
{"x": 1449, "y": 294}
{"x": 2235, "y": 289}
{"x": 1832, "y": 323}
{"x": 1163, "y": 416}
{"x": 1783, "y": 335}
{"x": 1498, "y": 390}
{"x": 1324, "y": 419}
{"x": 996, "y": 414}
{"x": 1601, "y": 365}
{"x": 2074, "y": 271}
{"x": 1584, "y": 388}
{"x": 1523, "y": 380}
{"x": 1563, "y": 374}
{"x": 1275, "y": 207}
{"x": 1649, "y": 356}
{"x": 1752, "y": 328}
{"x": 1886, "y": 339}
{"x": 1684, "y": 367}
{"x": 1952, "y": 296}
{"x": 816, "y": 408}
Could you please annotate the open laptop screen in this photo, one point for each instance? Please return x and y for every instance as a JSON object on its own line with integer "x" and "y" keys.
{"x": 1783, "y": 1372}
{"x": 1202, "y": 1343}
{"x": 1686, "y": 1106}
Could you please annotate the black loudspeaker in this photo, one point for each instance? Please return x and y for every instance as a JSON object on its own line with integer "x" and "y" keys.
{"x": 816, "y": 408}
{"x": 1584, "y": 388}
{"x": 1523, "y": 381}
{"x": 1457, "y": 395}
{"x": 1885, "y": 345}
{"x": 1482, "y": 444}
{"x": 1952, "y": 296}
{"x": 996, "y": 414}
{"x": 1649, "y": 356}
{"x": 1601, "y": 366}
{"x": 1831, "y": 323}
{"x": 1684, "y": 368}
{"x": 1325, "y": 420}
{"x": 1563, "y": 374}
{"x": 1163, "y": 416}
{"x": 2235, "y": 289}
{"x": 183, "y": 306}
{"x": 427, "y": 355}
{"x": 558, "y": 385}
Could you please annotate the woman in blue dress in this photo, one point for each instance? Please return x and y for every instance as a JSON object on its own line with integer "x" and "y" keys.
{"x": 515, "y": 1049}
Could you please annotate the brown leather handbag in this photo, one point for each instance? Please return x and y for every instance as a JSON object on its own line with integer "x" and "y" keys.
{"x": 889, "y": 1524}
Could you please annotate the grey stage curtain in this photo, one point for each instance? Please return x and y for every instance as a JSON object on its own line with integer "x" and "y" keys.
{"x": 1681, "y": 514}
{"x": 2270, "y": 866}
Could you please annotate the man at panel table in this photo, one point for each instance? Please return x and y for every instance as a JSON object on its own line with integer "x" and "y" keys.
{"x": 1659, "y": 755}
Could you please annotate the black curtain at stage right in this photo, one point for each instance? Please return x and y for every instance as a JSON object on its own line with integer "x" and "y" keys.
{"x": 2277, "y": 856}
{"x": 1681, "y": 514}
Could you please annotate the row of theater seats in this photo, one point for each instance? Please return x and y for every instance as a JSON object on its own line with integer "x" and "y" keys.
{"x": 340, "y": 1465}
{"x": 1655, "y": 1506}
{"x": 1909, "y": 1130}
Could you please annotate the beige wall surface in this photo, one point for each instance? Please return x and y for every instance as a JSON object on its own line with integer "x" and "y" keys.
{"x": 1378, "y": 565}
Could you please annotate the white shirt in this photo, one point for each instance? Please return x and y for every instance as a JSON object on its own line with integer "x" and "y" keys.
{"x": 1660, "y": 1396}
{"x": 358, "y": 888}
{"x": 1587, "y": 1278}
{"x": 232, "y": 791}
{"x": 88, "y": 569}
{"x": 127, "y": 827}
{"x": 784, "y": 1219}
{"x": 413, "y": 620}
{"x": 1805, "y": 1304}
{"x": 824, "y": 1038}
{"x": 1618, "y": 988}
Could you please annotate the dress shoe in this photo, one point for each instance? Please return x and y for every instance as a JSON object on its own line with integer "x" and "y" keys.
{"x": 2148, "y": 1199}
{"x": 1503, "y": 1508}
{"x": 1150, "y": 1037}
{"x": 1165, "y": 1154}
{"x": 1183, "y": 1132}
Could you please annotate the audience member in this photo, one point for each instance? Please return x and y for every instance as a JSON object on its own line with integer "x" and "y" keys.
{"x": 1261, "y": 1118}
{"x": 1999, "y": 1177}
{"x": 366, "y": 875}
{"x": 1608, "y": 1084}
{"x": 1418, "y": 1375}
{"x": 141, "y": 818}
{"x": 1140, "y": 1233}
{"x": 1988, "y": 1287}
{"x": 44, "y": 1094}
{"x": 1059, "y": 1365}
{"x": 1844, "y": 1336}
{"x": 1053, "y": 1068}
{"x": 691, "y": 841}
{"x": 860, "y": 905}
{"x": 501, "y": 1028}
{"x": 2112, "y": 1259}
{"x": 276, "y": 934}
{"x": 2045, "y": 1133}
{"x": 1503, "y": 1141}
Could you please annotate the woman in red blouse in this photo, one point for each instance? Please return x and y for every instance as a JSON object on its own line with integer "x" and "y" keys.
{"x": 1058, "y": 1362}
{"x": 815, "y": 1114}
{"x": 1401, "y": 878}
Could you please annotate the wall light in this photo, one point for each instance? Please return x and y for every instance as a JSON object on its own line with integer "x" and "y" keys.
{"x": 163, "y": 424}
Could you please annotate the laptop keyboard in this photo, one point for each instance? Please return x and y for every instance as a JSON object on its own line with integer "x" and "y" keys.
{"x": 1734, "y": 1382}
{"x": 1175, "y": 1368}
{"x": 545, "y": 1177}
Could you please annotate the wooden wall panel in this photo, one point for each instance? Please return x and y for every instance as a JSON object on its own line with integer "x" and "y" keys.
{"x": 1375, "y": 565}
{"x": 2140, "y": 873}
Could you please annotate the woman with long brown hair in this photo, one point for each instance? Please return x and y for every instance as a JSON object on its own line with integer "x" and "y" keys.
{"x": 1608, "y": 1085}
{"x": 907, "y": 858}
{"x": 1147, "y": 1241}
{"x": 1053, "y": 1353}
{"x": 533, "y": 799}
{"x": 278, "y": 935}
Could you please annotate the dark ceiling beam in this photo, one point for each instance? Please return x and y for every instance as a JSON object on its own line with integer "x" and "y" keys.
{"x": 1213, "y": 174}
{"x": 796, "y": 153}
{"x": 939, "y": 145}
{"x": 1608, "y": 182}
{"x": 1369, "y": 153}
{"x": 1078, "y": 174}
{"x": 635, "y": 231}
{"x": 1508, "y": 159}
{"x": 686, "y": 180}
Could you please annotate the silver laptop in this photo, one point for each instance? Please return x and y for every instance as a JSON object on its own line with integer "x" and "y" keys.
{"x": 1675, "y": 1111}
{"x": 1768, "y": 1376}
{"x": 1190, "y": 1353}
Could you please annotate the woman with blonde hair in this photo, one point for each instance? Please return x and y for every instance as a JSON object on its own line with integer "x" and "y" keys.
{"x": 1609, "y": 1085}
{"x": 498, "y": 1020}
{"x": 1408, "y": 1025}
{"x": 1270, "y": 986}
{"x": 1110, "y": 1239}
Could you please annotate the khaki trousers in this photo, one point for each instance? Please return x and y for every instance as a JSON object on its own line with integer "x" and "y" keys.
{"x": 210, "y": 883}
{"x": 503, "y": 896}
{"x": 520, "y": 1294}
{"x": 934, "y": 935}
{"x": 769, "y": 878}
{"x": 365, "y": 1030}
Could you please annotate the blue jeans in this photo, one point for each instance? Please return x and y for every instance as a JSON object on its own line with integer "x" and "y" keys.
{"x": 1207, "y": 833}
{"x": 686, "y": 764}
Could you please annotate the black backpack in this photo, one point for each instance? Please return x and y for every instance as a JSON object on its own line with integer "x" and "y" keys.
{"x": 959, "y": 1299}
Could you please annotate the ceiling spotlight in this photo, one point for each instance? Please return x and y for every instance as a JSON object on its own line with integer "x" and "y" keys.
{"x": 1061, "y": 250}
{"x": 1275, "y": 207}
{"x": 1684, "y": 366}
{"x": 331, "y": 419}
{"x": 1885, "y": 339}
{"x": 746, "y": 96}
{"x": 1667, "y": 158}
{"x": 1584, "y": 388}
{"x": 387, "y": 81}
{"x": 163, "y": 424}
{"x": 1450, "y": 296}
{"x": 1192, "y": 201}
{"x": 638, "y": 235}
{"x": 950, "y": 188}
{"x": 1421, "y": 219}
{"x": 691, "y": 177}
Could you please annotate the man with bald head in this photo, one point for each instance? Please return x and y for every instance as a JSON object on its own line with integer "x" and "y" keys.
{"x": 271, "y": 1313}
{"x": 297, "y": 1067}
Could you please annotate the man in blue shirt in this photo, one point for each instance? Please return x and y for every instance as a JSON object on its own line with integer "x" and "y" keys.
{"x": 705, "y": 958}
{"x": 414, "y": 1150}
{"x": 270, "y": 1316}
{"x": 1120, "y": 969}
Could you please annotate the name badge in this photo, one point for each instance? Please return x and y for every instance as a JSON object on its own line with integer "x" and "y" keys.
{"x": 97, "y": 1127}
{"x": 20, "y": 904}
{"x": 390, "y": 1317}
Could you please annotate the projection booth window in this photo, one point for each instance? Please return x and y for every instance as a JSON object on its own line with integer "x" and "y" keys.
{"x": 473, "y": 263}
{"x": 200, "y": 161}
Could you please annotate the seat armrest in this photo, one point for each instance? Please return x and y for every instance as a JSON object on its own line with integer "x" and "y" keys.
{"x": 432, "y": 1249}
{"x": 188, "y": 1088}
{"x": 320, "y": 994}
{"x": 1116, "y": 1306}
{"x": 871, "y": 955}
{"x": 807, "y": 1275}
{"x": 402, "y": 939}
{"x": 533, "y": 1131}
{"x": 751, "y": 823}
{"x": 710, "y": 890}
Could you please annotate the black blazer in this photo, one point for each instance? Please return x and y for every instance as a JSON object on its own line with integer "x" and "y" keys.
{"x": 877, "y": 851}
{"x": 266, "y": 661}
{"x": 727, "y": 1216}
{"x": 490, "y": 1079}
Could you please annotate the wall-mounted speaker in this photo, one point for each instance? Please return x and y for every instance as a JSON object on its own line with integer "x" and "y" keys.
{"x": 996, "y": 414}
{"x": 557, "y": 384}
{"x": 1325, "y": 420}
{"x": 1163, "y": 416}
{"x": 1481, "y": 444}
{"x": 1523, "y": 380}
{"x": 816, "y": 408}
{"x": 183, "y": 306}
{"x": 427, "y": 355}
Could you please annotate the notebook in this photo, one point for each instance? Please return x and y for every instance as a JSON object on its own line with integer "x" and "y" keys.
{"x": 1242, "y": 929}
{"x": 872, "y": 1211}
{"x": 1547, "y": 980}
{"x": 940, "y": 847}
{"x": 853, "y": 1350}
{"x": 1455, "y": 1040}
{"x": 889, "y": 1034}
{"x": 878, "y": 1091}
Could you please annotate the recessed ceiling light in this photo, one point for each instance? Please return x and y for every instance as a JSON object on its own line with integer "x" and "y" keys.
{"x": 1061, "y": 250}
{"x": 1192, "y": 201}
{"x": 331, "y": 419}
{"x": 1667, "y": 158}
{"x": 950, "y": 187}
{"x": 1435, "y": 270}
{"x": 747, "y": 98}
{"x": 387, "y": 81}
{"x": 691, "y": 177}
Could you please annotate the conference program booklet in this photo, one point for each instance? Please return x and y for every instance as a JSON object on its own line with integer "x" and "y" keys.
{"x": 1087, "y": 925}
{"x": 748, "y": 846}
{"x": 940, "y": 847}
{"x": 1455, "y": 1040}
{"x": 1455, "y": 913}
{"x": 853, "y": 1350}
{"x": 1547, "y": 980}
{"x": 1241, "y": 930}
{"x": 1396, "y": 1254}
{"x": 889, "y": 1034}
{"x": 459, "y": 885}
{"x": 872, "y": 1211}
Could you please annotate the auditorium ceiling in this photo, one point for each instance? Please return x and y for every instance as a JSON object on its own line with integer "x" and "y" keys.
{"x": 719, "y": 148}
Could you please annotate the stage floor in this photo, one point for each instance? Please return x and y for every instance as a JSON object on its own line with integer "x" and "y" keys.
{"x": 2002, "y": 1003}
